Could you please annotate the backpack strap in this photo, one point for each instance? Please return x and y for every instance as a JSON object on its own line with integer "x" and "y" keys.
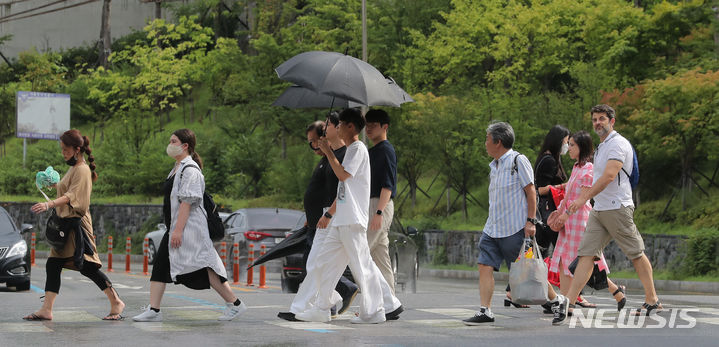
{"x": 203, "y": 197}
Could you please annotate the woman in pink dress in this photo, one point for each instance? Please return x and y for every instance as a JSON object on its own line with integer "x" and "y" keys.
{"x": 580, "y": 149}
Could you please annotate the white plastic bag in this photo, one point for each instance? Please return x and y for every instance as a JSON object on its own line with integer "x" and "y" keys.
{"x": 528, "y": 277}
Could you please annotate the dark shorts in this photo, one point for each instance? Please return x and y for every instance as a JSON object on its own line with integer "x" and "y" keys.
{"x": 161, "y": 270}
{"x": 493, "y": 250}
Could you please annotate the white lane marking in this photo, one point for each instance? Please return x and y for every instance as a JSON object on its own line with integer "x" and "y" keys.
{"x": 24, "y": 328}
{"x": 73, "y": 316}
{"x": 445, "y": 323}
{"x": 194, "y": 314}
{"x": 158, "y": 326}
{"x": 307, "y": 325}
{"x": 459, "y": 313}
{"x": 115, "y": 284}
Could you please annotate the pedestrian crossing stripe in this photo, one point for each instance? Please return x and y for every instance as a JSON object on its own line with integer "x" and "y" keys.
{"x": 459, "y": 313}
{"x": 66, "y": 316}
{"x": 442, "y": 323}
{"x": 24, "y": 327}
{"x": 159, "y": 326}
{"x": 309, "y": 326}
{"x": 193, "y": 315}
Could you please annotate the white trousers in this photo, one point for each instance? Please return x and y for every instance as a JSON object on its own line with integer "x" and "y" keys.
{"x": 347, "y": 245}
{"x": 307, "y": 292}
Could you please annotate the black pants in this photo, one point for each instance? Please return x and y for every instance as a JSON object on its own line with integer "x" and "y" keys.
{"x": 197, "y": 280}
{"x": 53, "y": 268}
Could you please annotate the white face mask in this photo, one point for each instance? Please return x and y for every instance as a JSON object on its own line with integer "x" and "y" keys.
{"x": 565, "y": 149}
{"x": 173, "y": 150}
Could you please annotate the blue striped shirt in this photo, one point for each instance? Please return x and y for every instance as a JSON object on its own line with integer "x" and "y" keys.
{"x": 507, "y": 200}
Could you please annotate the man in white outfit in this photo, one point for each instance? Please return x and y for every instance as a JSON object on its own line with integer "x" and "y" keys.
{"x": 346, "y": 240}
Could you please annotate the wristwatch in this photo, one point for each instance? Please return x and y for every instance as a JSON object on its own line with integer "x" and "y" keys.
{"x": 379, "y": 212}
{"x": 532, "y": 220}
{"x": 328, "y": 215}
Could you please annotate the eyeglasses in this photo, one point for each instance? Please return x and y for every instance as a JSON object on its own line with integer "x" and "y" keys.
{"x": 313, "y": 148}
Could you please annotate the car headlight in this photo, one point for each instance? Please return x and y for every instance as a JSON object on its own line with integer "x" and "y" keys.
{"x": 19, "y": 248}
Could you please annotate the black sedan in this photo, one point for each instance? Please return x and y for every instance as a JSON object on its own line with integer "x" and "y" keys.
{"x": 402, "y": 250}
{"x": 14, "y": 253}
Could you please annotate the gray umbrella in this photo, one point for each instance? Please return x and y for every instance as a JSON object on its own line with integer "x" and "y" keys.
{"x": 301, "y": 97}
{"x": 341, "y": 76}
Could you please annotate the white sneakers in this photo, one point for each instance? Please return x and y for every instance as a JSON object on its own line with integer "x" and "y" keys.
{"x": 148, "y": 316}
{"x": 232, "y": 311}
{"x": 314, "y": 315}
{"x": 376, "y": 319}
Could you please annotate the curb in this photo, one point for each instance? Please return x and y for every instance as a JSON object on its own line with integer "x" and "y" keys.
{"x": 660, "y": 285}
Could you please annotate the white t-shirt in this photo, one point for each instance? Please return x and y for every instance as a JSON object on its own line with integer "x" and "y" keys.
{"x": 619, "y": 192}
{"x": 353, "y": 193}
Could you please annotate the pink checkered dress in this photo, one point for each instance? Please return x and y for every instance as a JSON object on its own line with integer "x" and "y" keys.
{"x": 569, "y": 239}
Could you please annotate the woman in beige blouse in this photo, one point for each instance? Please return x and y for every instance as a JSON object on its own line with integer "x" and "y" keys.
{"x": 73, "y": 206}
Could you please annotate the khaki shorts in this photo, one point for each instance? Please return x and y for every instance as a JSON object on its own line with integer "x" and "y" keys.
{"x": 603, "y": 226}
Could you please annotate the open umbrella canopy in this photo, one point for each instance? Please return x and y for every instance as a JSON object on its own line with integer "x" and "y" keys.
{"x": 301, "y": 97}
{"x": 340, "y": 75}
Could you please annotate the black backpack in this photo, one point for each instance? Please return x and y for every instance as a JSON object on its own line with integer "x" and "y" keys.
{"x": 214, "y": 222}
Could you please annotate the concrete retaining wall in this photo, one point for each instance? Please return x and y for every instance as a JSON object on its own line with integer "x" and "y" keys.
{"x": 123, "y": 219}
{"x": 460, "y": 247}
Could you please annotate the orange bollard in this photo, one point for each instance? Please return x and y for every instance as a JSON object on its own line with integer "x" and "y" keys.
{"x": 262, "y": 269}
{"x": 32, "y": 249}
{"x": 128, "y": 246}
{"x": 109, "y": 254}
{"x": 250, "y": 259}
{"x": 223, "y": 253}
{"x": 146, "y": 253}
{"x": 236, "y": 267}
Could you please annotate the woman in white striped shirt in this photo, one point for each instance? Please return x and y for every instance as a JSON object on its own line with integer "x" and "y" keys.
{"x": 186, "y": 254}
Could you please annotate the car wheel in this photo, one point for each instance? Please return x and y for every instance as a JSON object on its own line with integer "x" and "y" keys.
{"x": 289, "y": 285}
{"x": 151, "y": 253}
{"x": 23, "y": 286}
{"x": 412, "y": 280}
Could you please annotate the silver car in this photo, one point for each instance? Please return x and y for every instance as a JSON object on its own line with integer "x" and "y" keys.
{"x": 258, "y": 227}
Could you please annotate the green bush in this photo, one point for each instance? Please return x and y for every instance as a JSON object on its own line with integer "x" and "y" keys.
{"x": 702, "y": 254}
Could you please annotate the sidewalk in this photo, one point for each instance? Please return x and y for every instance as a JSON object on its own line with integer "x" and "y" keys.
{"x": 661, "y": 285}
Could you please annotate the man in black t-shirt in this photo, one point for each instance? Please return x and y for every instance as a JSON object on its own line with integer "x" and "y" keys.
{"x": 319, "y": 196}
{"x": 383, "y": 167}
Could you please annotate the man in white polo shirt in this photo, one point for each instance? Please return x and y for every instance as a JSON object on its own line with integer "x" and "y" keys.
{"x": 612, "y": 217}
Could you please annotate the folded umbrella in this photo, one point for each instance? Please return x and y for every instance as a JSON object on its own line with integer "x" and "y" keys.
{"x": 293, "y": 244}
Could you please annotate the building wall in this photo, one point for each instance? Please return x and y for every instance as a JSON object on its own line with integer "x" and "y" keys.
{"x": 77, "y": 26}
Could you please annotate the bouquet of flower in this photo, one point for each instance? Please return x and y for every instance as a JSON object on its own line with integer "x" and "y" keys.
{"x": 45, "y": 179}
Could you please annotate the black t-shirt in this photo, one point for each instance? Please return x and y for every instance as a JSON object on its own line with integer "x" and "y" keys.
{"x": 383, "y": 166}
{"x": 322, "y": 189}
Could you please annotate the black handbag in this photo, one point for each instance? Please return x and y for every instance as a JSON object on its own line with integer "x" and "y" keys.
{"x": 598, "y": 279}
{"x": 54, "y": 234}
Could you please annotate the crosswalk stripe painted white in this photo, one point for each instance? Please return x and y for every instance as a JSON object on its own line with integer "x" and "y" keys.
{"x": 310, "y": 326}
{"x": 158, "y": 326}
{"x": 65, "y": 316}
{"x": 459, "y": 313}
{"x": 24, "y": 328}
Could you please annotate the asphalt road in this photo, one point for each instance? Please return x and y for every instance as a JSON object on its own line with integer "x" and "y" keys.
{"x": 432, "y": 318}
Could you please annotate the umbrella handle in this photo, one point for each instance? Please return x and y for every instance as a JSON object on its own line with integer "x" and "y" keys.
{"x": 43, "y": 193}
{"x": 327, "y": 121}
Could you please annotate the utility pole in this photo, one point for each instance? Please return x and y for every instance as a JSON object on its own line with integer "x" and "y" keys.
{"x": 105, "y": 39}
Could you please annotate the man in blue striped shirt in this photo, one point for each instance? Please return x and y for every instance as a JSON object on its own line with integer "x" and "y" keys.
{"x": 512, "y": 211}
